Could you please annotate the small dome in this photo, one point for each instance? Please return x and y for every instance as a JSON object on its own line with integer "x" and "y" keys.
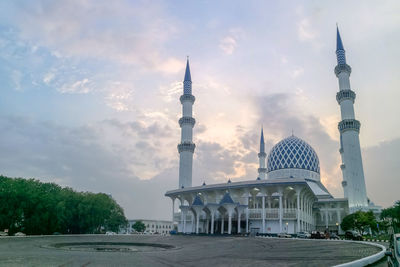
{"x": 293, "y": 153}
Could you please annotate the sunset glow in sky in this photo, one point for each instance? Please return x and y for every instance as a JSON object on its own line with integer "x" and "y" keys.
{"x": 90, "y": 91}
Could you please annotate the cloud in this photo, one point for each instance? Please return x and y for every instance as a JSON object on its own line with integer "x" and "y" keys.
{"x": 119, "y": 95}
{"x": 297, "y": 72}
{"x": 48, "y": 77}
{"x": 106, "y": 157}
{"x": 172, "y": 91}
{"x": 16, "y": 77}
{"x": 77, "y": 87}
{"x": 229, "y": 43}
{"x": 91, "y": 30}
{"x": 305, "y": 30}
{"x": 171, "y": 65}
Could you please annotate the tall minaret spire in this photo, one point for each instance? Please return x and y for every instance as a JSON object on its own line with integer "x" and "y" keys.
{"x": 352, "y": 168}
{"x": 261, "y": 156}
{"x": 186, "y": 147}
{"x": 340, "y": 52}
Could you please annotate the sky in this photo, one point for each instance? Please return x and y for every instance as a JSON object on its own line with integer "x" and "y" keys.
{"x": 89, "y": 91}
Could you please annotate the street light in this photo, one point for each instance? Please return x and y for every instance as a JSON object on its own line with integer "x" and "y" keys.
{"x": 287, "y": 229}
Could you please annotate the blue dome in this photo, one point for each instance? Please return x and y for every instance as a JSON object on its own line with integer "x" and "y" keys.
{"x": 293, "y": 153}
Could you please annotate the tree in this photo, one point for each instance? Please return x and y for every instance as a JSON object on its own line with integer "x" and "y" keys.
{"x": 391, "y": 216}
{"x": 139, "y": 226}
{"x": 33, "y": 207}
{"x": 359, "y": 221}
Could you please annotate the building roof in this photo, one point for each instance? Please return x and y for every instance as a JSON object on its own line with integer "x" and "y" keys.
{"x": 226, "y": 199}
{"x": 293, "y": 153}
{"x": 251, "y": 184}
{"x": 197, "y": 201}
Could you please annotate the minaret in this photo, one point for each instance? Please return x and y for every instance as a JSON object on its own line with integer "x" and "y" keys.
{"x": 349, "y": 128}
{"x": 186, "y": 147}
{"x": 261, "y": 156}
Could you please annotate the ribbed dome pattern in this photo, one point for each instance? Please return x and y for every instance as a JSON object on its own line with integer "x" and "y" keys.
{"x": 293, "y": 153}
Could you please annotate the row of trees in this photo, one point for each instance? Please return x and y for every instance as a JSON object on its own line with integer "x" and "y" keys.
{"x": 362, "y": 221}
{"x": 33, "y": 207}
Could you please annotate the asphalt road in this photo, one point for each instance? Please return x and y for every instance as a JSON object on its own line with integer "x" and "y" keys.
{"x": 186, "y": 251}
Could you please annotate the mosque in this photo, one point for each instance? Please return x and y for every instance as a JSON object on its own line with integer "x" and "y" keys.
{"x": 287, "y": 196}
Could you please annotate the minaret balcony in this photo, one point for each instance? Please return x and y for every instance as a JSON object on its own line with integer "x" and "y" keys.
{"x": 342, "y": 67}
{"x": 186, "y": 146}
{"x": 187, "y": 97}
{"x": 345, "y": 95}
{"x": 187, "y": 120}
{"x": 344, "y": 183}
{"x": 342, "y": 166}
{"x": 349, "y": 124}
{"x": 262, "y": 155}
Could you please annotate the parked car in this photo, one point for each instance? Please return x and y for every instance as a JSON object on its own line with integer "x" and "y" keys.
{"x": 303, "y": 235}
{"x": 110, "y": 233}
{"x": 353, "y": 235}
{"x": 20, "y": 234}
{"x": 393, "y": 252}
{"x": 284, "y": 235}
{"x": 334, "y": 236}
{"x": 3, "y": 233}
{"x": 173, "y": 232}
{"x": 317, "y": 235}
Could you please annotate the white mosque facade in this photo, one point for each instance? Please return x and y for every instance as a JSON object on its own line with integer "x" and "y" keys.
{"x": 287, "y": 196}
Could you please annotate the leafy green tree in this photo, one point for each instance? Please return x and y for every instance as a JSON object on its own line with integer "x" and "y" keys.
{"x": 360, "y": 221}
{"x": 139, "y": 226}
{"x": 33, "y": 207}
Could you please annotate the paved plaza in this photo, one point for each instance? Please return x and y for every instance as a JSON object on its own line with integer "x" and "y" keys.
{"x": 177, "y": 251}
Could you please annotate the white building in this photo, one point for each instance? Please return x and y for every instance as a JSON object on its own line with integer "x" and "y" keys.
{"x": 152, "y": 226}
{"x": 288, "y": 195}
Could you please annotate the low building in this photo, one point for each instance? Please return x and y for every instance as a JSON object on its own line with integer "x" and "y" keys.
{"x": 152, "y": 226}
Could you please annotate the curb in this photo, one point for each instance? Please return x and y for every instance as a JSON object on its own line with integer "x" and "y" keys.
{"x": 367, "y": 260}
{"x": 356, "y": 263}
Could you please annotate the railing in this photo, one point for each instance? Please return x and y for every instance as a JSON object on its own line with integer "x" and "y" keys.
{"x": 270, "y": 214}
{"x": 273, "y": 213}
{"x": 255, "y": 214}
{"x": 289, "y": 213}
{"x": 349, "y": 124}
